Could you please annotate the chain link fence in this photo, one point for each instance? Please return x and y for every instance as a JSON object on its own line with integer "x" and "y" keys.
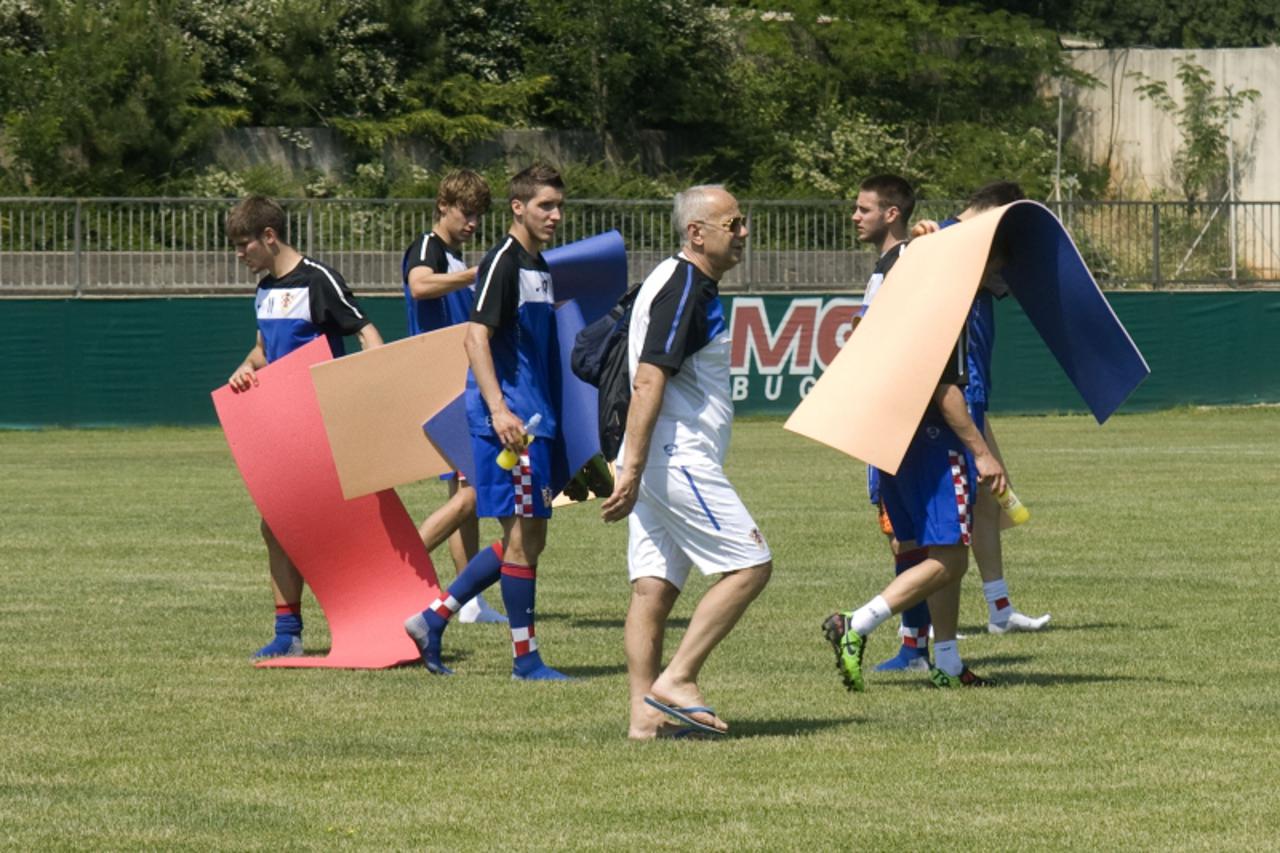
{"x": 173, "y": 246}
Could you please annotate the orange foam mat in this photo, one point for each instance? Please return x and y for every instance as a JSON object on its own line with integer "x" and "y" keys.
{"x": 362, "y": 558}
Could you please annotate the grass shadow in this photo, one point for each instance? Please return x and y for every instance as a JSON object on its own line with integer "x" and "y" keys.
{"x": 593, "y": 671}
{"x": 788, "y": 727}
{"x": 619, "y": 623}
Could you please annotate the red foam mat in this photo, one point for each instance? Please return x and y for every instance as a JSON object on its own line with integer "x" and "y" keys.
{"x": 362, "y": 558}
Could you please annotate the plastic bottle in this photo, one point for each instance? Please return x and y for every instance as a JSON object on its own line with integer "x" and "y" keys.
{"x": 507, "y": 459}
{"x": 1013, "y": 507}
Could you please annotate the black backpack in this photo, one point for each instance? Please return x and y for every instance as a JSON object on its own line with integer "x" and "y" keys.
{"x": 599, "y": 358}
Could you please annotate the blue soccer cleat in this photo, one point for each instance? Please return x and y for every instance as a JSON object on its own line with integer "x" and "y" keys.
{"x": 428, "y": 643}
{"x": 908, "y": 659}
{"x": 281, "y": 646}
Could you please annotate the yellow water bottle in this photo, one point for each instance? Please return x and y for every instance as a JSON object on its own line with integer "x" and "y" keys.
{"x": 1013, "y": 507}
{"x": 508, "y": 458}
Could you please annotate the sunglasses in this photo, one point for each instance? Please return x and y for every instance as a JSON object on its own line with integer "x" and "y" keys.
{"x": 733, "y": 224}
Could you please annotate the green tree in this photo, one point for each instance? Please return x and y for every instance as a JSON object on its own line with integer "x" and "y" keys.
{"x": 1200, "y": 165}
{"x": 101, "y": 95}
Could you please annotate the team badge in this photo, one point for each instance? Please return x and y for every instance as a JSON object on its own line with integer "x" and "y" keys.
{"x": 933, "y": 432}
{"x": 286, "y": 300}
{"x": 756, "y": 537}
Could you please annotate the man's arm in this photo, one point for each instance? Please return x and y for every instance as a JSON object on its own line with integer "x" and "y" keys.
{"x": 950, "y": 400}
{"x": 369, "y": 336}
{"x": 508, "y": 427}
{"x": 425, "y": 283}
{"x": 245, "y": 376}
{"x": 646, "y": 401}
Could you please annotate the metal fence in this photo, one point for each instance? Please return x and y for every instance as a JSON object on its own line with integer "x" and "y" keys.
{"x": 164, "y": 246}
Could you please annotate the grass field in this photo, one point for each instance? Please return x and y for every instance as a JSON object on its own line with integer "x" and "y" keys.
{"x": 1146, "y": 717}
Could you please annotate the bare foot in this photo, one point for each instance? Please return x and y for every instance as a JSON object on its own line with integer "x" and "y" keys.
{"x": 686, "y": 695}
{"x": 646, "y": 722}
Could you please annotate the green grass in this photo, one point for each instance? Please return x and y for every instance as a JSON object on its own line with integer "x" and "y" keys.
{"x": 133, "y": 588}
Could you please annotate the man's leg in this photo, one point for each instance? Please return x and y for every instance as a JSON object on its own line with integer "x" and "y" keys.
{"x": 988, "y": 553}
{"x": 456, "y": 521}
{"x": 651, "y": 603}
{"x": 913, "y": 654}
{"x": 847, "y": 632}
{"x": 286, "y": 587}
{"x": 525, "y": 539}
{"x": 713, "y": 618}
{"x": 427, "y": 628}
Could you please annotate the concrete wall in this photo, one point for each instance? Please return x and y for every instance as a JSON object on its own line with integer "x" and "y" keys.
{"x": 320, "y": 149}
{"x": 1115, "y": 127}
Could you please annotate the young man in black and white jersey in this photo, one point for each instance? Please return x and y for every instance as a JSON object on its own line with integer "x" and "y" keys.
{"x": 439, "y": 292}
{"x": 683, "y": 510}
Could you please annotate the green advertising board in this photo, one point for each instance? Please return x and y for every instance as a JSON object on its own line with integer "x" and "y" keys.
{"x": 92, "y": 362}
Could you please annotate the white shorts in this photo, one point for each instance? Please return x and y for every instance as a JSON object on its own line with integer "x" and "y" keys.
{"x": 690, "y": 516}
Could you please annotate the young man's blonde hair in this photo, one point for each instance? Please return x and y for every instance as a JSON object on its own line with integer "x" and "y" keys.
{"x": 464, "y": 189}
{"x": 254, "y": 215}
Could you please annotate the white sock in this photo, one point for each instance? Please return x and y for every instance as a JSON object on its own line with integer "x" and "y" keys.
{"x": 870, "y": 616}
{"x": 946, "y": 657}
{"x": 999, "y": 606}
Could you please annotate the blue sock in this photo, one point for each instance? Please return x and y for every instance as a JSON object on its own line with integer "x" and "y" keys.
{"x": 289, "y": 624}
{"x": 519, "y": 589}
{"x": 916, "y": 617}
{"x": 478, "y": 575}
{"x": 288, "y": 636}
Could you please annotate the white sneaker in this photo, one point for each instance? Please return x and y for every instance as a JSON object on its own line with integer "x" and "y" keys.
{"x": 1018, "y": 622}
{"x": 478, "y": 610}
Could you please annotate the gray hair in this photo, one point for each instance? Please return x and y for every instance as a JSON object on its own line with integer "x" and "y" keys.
{"x": 692, "y": 205}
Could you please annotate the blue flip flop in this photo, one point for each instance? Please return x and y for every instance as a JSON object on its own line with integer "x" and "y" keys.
{"x": 685, "y": 715}
{"x": 683, "y": 733}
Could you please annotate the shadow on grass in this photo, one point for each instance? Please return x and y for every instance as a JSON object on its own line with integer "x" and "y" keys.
{"x": 618, "y": 623}
{"x": 788, "y": 728}
{"x": 593, "y": 671}
{"x": 1062, "y": 679}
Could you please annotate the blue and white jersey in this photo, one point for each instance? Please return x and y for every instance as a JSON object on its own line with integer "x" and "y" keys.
{"x": 428, "y": 315}
{"x": 515, "y": 299}
{"x": 310, "y": 300}
{"x": 678, "y": 324}
{"x": 981, "y": 330}
{"x": 982, "y": 344}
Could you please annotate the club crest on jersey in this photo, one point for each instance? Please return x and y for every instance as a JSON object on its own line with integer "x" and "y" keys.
{"x": 286, "y": 299}
{"x": 933, "y": 432}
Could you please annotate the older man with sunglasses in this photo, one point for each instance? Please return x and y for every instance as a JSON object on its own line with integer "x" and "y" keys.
{"x": 683, "y": 510}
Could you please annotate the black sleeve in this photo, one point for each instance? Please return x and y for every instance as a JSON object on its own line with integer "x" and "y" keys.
{"x": 333, "y": 306}
{"x": 956, "y": 371}
{"x": 426, "y": 251}
{"x": 498, "y": 291}
{"x": 677, "y": 322}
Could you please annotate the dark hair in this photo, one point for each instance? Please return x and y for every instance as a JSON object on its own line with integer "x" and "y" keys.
{"x": 995, "y": 194}
{"x": 526, "y": 184}
{"x": 254, "y": 215}
{"x": 893, "y": 192}
{"x": 465, "y": 189}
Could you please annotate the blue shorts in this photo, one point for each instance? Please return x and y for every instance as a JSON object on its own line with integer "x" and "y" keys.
{"x": 930, "y": 499}
{"x": 525, "y": 490}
